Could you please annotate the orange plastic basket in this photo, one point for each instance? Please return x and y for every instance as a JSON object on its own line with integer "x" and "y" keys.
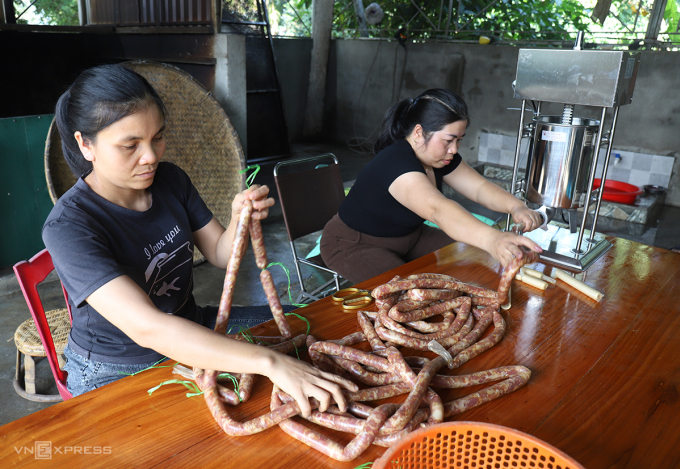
{"x": 469, "y": 445}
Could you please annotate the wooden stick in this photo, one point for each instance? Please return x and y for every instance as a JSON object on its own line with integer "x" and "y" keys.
{"x": 580, "y": 286}
{"x": 537, "y": 274}
{"x": 533, "y": 281}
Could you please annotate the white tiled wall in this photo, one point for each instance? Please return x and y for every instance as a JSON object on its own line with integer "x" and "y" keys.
{"x": 638, "y": 169}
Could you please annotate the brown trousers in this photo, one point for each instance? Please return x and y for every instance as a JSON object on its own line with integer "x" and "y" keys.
{"x": 357, "y": 256}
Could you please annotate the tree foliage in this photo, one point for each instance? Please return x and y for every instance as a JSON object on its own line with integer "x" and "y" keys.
{"x": 53, "y": 12}
{"x": 504, "y": 20}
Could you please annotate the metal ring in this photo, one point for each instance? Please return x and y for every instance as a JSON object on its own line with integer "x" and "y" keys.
{"x": 357, "y": 302}
{"x": 346, "y": 293}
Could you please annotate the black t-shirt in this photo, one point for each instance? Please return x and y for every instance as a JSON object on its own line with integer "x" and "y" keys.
{"x": 93, "y": 241}
{"x": 370, "y": 208}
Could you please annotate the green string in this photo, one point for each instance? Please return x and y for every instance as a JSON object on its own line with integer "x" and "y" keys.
{"x": 190, "y": 385}
{"x": 246, "y": 334}
{"x": 233, "y": 380}
{"x": 303, "y": 318}
{"x": 251, "y": 177}
{"x": 365, "y": 465}
{"x": 299, "y": 305}
{"x": 149, "y": 367}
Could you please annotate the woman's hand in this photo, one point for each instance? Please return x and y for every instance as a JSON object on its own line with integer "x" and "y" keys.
{"x": 301, "y": 381}
{"x": 258, "y": 196}
{"x": 507, "y": 246}
{"x": 530, "y": 218}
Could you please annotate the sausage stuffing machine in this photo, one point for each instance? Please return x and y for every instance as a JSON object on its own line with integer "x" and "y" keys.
{"x": 562, "y": 149}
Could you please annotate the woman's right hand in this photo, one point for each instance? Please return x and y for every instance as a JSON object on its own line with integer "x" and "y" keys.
{"x": 301, "y": 381}
{"x": 258, "y": 195}
{"x": 506, "y": 246}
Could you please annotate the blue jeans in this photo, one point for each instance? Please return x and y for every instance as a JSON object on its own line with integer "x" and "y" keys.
{"x": 85, "y": 375}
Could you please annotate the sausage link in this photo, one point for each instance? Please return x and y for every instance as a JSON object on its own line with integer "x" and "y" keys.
{"x": 394, "y": 337}
{"x": 427, "y": 312}
{"x": 206, "y": 381}
{"x": 462, "y": 309}
{"x": 245, "y": 386}
{"x": 388, "y": 440}
{"x": 438, "y": 283}
{"x": 509, "y": 273}
{"x": 424, "y": 294}
{"x": 497, "y": 390}
{"x": 351, "y": 339}
{"x": 331, "y": 448}
{"x": 369, "y": 332}
{"x": 365, "y": 376}
{"x": 430, "y": 327}
{"x": 290, "y": 345}
{"x": 475, "y": 379}
{"x": 479, "y": 301}
{"x": 475, "y": 348}
{"x": 403, "y": 370}
{"x": 325, "y": 363}
{"x": 449, "y": 342}
{"x": 257, "y": 240}
{"x": 349, "y": 353}
{"x": 274, "y": 303}
{"x": 410, "y": 405}
{"x": 471, "y": 337}
{"x": 237, "y": 252}
{"x": 418, "y": 343}
{"x": 378, "y": 392}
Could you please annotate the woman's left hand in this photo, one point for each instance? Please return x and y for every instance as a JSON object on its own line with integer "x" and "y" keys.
{"x": 258, "y": 196}
{"x": 530, "y": 218}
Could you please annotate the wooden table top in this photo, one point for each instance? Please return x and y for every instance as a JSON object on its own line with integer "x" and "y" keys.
{"x": 604, "y": 384}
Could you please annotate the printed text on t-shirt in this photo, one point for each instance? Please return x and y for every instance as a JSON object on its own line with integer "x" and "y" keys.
{"x": 170, "y": 237}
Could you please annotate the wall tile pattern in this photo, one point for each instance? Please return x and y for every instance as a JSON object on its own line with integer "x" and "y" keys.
{"x": 638, "y": 169}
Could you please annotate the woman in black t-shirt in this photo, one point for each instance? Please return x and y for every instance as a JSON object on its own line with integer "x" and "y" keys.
{"x": 379, "y": 225}
{"x": 122, "y": 275}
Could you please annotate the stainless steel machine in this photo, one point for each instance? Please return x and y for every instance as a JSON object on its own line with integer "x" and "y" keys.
{"x": 563, "y": 149}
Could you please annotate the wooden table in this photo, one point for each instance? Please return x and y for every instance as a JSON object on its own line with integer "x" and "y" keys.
{"x": 604, "y": 384}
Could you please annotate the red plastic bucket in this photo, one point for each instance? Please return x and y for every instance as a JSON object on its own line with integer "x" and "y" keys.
{"x": 617, "y": 191}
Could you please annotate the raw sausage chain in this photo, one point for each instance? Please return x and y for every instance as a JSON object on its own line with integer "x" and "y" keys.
{"x": 407, "y": 309}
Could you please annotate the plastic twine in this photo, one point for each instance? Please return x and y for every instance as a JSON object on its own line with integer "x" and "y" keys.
{"x": 299, "y": 305}
{"x": 250, "y": 178}
{"x": 191, "y": 386}
{"x": 148, "y": 367}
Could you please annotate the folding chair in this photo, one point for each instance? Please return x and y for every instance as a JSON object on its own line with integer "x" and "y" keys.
{"x": 310, "y": 193}
{"x": 53, "y": 324}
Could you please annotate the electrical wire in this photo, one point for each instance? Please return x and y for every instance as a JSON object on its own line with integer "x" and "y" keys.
{"x": 365, "y": 144}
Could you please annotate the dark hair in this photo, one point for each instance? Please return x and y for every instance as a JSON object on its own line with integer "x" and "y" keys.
{"x": 99, "y": 97}
{"x": 433, "y": 109}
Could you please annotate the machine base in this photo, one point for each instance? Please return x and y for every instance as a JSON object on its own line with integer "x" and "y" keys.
{"x": 558, "y": 244}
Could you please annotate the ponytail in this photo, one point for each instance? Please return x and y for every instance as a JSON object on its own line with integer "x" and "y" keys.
{"x": 392, "y": 125}
{"x": 433, "y": 109}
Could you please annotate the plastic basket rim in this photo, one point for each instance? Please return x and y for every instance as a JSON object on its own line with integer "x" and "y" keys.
{"x": 392, "y": 452}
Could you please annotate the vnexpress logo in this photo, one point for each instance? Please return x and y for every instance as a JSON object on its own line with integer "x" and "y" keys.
{"x": 43, "y": 450}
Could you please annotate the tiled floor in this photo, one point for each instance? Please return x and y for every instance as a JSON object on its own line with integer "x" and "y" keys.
{"x": 665, "y": 233}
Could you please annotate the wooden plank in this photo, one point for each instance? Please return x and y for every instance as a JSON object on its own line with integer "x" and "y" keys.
{"x": 624, "y": 413}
